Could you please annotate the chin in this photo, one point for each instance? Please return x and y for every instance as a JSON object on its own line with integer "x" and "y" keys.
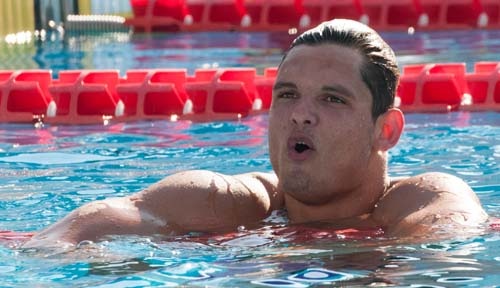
{"x": 300, "y": 189}
{"x": 308, "y": 198}
{"x": 292, "y": 182}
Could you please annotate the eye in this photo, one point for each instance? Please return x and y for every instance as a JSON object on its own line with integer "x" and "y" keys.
{"x": 335, "y": 99}
{"x": 286, "y": 95}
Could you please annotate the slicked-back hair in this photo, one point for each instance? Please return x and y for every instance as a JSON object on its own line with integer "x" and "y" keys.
{"x": 379, "y": 70}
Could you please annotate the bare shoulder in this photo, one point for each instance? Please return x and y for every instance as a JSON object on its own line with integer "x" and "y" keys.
{"x": 194, "y": 182}
{"x": 420, "y": 203}
{"x": 267, "y": 183}
{"x": 201, "y": 200}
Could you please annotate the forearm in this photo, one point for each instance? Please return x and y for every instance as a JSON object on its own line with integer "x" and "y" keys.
{"x": 95, "y": 220}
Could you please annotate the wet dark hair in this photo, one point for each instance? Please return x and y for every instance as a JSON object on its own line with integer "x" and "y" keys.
{"x": 379, "y": 70}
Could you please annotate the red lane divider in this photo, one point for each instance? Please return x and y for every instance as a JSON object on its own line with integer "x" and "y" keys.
{"x": 24, "y": 94}
{"x": 432, "y": 87}
{"x": 222, "y": 94}
{"x": 484, "y": 85}
{"x": 97, "y": 96}
{"x": 264, "y": 86}
{"x": 152, "y": 94}
{"x": 276, "y": 15}
{"x": 190, "y": 15}
{"x": 320, "y": 10}
{"x": 281, "y": 15}
{"x": 390, "y": 14}
{"x": 84, "y": 96}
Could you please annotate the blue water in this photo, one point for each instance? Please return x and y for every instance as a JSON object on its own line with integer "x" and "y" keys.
{"x": 47, "y": 172}
{"x": 218, "y": 49}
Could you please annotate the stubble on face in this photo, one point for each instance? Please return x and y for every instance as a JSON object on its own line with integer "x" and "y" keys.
{"x": 343, "y": 133}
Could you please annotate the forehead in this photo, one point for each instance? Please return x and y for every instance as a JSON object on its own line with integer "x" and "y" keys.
{"x": 332, "y": 57}
{"x": 312, "y": 66}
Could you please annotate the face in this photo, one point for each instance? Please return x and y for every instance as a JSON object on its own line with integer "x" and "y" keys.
{"x": 321, "y": 131}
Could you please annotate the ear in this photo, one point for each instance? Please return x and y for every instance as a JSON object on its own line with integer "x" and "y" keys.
{"x": 389, "y": 128}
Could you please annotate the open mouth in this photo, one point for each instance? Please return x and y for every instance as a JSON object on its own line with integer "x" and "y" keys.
{"x": 301, "y": 147}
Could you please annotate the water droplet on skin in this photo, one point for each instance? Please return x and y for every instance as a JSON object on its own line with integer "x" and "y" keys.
{"x": 84, "y": 243}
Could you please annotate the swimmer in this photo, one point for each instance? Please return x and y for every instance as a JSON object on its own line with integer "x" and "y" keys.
{"x": 331, "y": 124}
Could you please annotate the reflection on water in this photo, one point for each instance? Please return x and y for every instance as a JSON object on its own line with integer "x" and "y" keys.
{"x": 124, "y": 51}
{"x": 377, "y": 262}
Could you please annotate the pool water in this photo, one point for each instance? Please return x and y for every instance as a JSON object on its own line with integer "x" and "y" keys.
{"x": 47, "y": 172}
{"x": 124, "y": 51}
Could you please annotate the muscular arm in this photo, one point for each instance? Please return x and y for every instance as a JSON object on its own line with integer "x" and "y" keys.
{"x": 187, "y": 201}
{"x": 418, "y": 205}
{"x": 207, "y": 201}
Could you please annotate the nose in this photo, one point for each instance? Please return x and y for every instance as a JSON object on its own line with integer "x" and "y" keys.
{"x": 304, "y": 115}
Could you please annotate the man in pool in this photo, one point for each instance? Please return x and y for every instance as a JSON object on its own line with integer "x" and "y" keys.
{"x": 331, "y": 124}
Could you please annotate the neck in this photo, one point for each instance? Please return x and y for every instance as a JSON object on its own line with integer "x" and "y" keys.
{"x": 355, "y": 203}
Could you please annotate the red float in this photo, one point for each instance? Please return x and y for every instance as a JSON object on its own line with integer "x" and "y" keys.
{"x": 97, "y": 96}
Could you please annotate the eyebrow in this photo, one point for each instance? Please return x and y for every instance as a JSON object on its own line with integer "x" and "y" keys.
{"x": 328, "y": 88}
{"x": 339, "y": 89}
{"x": 279, "y": 85}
